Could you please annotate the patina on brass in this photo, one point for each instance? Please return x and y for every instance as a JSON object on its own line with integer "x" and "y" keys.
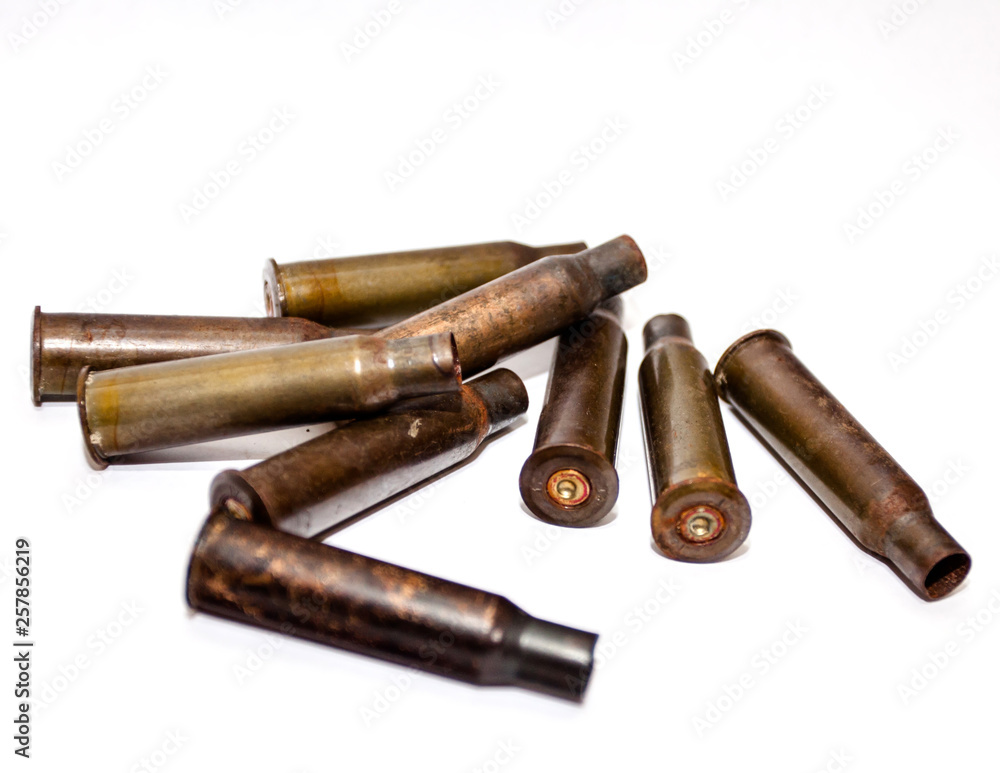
{"x": 531, "y": 304}
{"x": 248, "y": 572}
{"x": 383, "y": 289}
{"x": 166, "y": 404}
{"x": 699, "y": 514}
{"x": 570, "y": 477}
{"x": 64, "y": 344}
{"x": 312, "y": 487}
{"x": 839, "y": 462}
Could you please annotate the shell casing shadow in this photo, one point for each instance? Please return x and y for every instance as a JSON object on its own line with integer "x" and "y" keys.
{"x": 529, "y": 305}
{"x": 839, "y": 462}
{"x": 570, "y": 478}
{"x": 378, "y": 290}
{"x": 253, "y": 574}
{"x": 64, "y": 344}
{"x": 168, "y": 404}
{"x": 699, "y": 514}
{"x": 313, "y": 487}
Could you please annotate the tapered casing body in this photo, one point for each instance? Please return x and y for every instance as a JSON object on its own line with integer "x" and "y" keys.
{"x": 377, "y": 290}
{"x": 698, "y": 514}
{"x": 570, "y": 477}
{"x": 64, "y": 344}
{"x": 529, "y": 305}
{"x": 254, "y": 574}
{"x": 839, "y": 462}
{"x": 166, "y": 404}
{"x": 313, "y": 487}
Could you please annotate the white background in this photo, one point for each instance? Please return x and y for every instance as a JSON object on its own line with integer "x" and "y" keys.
{"x": 775, "y": 252}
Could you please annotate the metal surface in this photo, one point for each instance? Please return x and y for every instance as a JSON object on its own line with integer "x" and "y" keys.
{"x": 64, "y": 344}
{"x": 314, "y": 486}
{"x": 251, "y": 573}
{"x": 699, "y": 514}
{"x": 570, "y": 477}
{"x": 166, "y": 404}
{"x": 383, "y": 289}
{"x": 529, "y": 305}
{"x": 837, "y": 460}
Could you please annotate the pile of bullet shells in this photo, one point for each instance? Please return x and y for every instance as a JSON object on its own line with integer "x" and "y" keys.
{"x": 380, "y": 344}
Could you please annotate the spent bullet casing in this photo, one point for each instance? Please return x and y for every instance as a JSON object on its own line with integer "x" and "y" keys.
{"x": 254, "y": 574}
{"x": 382, "y": 289}
{"x": 64, "y": 344}
{"x": 529, "y": 305}
{"x": 839, "y": 462}
{"x": 698, "y": 514}
{"x": 314, "y": 486}
{"x": 167, "y": 404}
{"x": 570, "y": 479}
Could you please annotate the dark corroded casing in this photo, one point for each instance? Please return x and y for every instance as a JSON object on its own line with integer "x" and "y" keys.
{"x": 529, "y": 305}
{"x": 698, "y": 512}
{"x": 382, "y": 289}
{"x": 166, "y": 404}
{"x": 248, "y": 572}
{"x": 64, "y": 344}
{"x": 837, "y": 460}
{"x": 312, "y": 487}
{"x": 570, "y": 477}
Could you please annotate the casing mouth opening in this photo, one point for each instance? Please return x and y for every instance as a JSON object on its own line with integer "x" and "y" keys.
{"x": 947, "y": 574}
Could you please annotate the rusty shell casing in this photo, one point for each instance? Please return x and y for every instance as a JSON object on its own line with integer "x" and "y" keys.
{"x": 64, "y": 344}
{"x": 699, "y": 514}
{"x": 166, "y": 404}
{"x": 570, "y": 477}
{"x": 314, "y": 486}
{"x": 527, "y": 306}
{"x": 383, "y": 289}
{"x": 839, "y": 462}
{"x": 254, "y": 574}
